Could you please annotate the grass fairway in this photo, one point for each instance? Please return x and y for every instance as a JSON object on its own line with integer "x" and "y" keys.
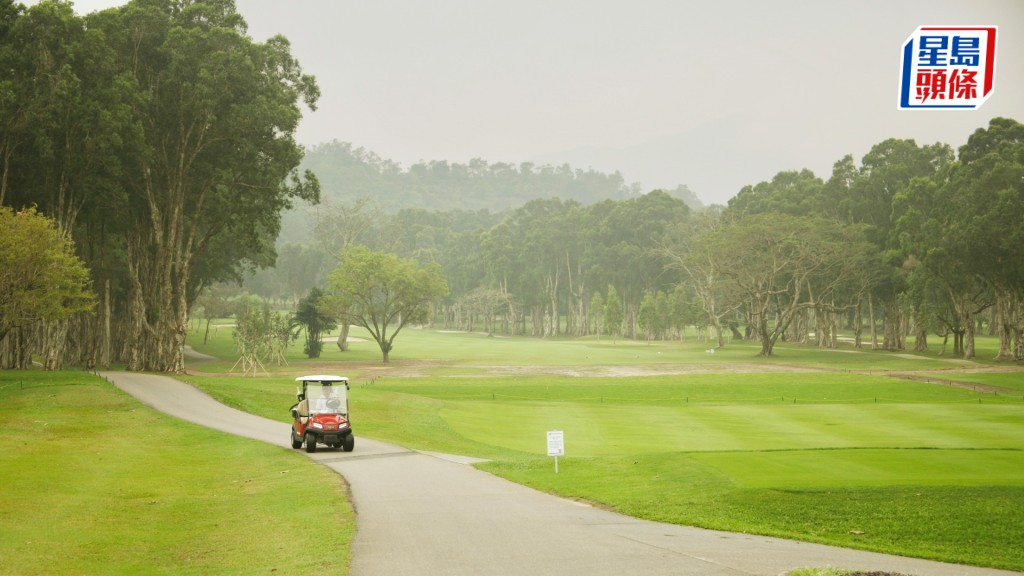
{"x": 814, "y": 445}
{"x": 95, "y": 483}
{"x": 926, "y": 471}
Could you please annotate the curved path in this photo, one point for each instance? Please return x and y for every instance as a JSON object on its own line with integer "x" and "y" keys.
{"x": 424, "y": 514}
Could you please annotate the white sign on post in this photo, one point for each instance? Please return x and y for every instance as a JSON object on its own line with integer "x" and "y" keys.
{"x": 556, "y": 445}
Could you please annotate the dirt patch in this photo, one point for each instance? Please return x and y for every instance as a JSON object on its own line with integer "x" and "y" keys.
{"x": 932, "y": 379}
{"x": 424, "y": 368}
{"x": 618, "y": 371}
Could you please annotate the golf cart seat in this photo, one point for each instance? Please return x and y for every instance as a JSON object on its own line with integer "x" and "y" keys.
{"x": 303, "y": 409}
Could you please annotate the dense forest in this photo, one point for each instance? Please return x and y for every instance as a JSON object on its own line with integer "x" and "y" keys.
{"x": 914, "y": 240}
{"x": 159, "y": 137}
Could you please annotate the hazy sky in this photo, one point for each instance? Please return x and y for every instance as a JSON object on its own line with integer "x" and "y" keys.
{"x": 715, "y": 95}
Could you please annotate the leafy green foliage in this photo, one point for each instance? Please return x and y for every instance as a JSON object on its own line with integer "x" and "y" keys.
{"x": 314, "y": 317}
{"x": 613, "y": 312}
{"x": 383, "y": 293}
{"x": 260, "y": 334}
{"x": 40, "y": 276}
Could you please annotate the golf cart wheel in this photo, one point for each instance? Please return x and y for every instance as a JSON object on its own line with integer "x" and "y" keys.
{"x": 349, "y": 443}
{"x": 310, "y": 443}
{"x": 296, "y": 441}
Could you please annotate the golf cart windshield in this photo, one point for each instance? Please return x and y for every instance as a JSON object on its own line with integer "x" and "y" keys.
{"x": 327, "y": 398}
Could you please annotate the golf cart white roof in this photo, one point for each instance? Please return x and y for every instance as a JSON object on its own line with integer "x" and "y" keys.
{"x": 321, "y": 378}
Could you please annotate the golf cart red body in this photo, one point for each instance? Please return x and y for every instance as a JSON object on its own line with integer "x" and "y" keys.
{"x": 321, "y": 414}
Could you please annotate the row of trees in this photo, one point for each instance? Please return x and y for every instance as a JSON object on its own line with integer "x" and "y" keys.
{"x": 159, "y": 136}
{"x": 939, "y": 237}
{"x": 915, "y": 240}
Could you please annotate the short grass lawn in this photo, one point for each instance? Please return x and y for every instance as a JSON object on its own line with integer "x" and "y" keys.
{"x": 821, "y": 446}
{"x": 96, "y": 483}
{"x": 924, "y": 471}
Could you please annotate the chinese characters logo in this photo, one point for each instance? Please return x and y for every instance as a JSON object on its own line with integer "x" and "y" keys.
{"x": 948, "y": 67}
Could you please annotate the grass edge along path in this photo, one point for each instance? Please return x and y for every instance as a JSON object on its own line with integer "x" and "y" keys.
{"x": 96, "y": 483}
{"x": 965, "y": 519}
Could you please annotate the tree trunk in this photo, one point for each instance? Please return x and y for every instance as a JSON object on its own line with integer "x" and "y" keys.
{"x": 55, "y": 337}
{"x": 715, "y": 321}
{"x": 1007, "y": 319}
{"x": 968, "y": 336}
{"x": 104, "y": 360}
{"x": 874, "y": 325}
{"x": 892, "y": 326}
{"x": 920, "y": 337}
{"x": 858, "y": 327}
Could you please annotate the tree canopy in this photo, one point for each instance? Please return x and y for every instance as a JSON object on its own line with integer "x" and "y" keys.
{"x": 41, "y": 278}
{"x": 160, "y": 138}
{"x": 161, "y": 135}
{"x": 384, "y": 293}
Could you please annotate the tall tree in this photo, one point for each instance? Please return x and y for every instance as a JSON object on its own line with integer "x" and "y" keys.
{"x": 384, "y": 293}
{"x": 216, "y": 158}
{"x": 691, "y": 249}
{"x": 886, "y": 170}
{"x": 989, "y": 182}
{"x": 964, "y": 227}
{"x": 613, "y": 312}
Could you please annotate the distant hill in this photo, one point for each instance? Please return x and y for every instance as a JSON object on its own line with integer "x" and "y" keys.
{"x": 348, "y": 173}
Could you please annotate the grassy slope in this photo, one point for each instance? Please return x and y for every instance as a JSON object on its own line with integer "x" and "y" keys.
{"x": 95, "y": 483}
{"x": 920, "y": 469}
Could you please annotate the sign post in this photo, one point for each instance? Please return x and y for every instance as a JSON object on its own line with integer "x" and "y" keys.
{"x": 556, "y": 445}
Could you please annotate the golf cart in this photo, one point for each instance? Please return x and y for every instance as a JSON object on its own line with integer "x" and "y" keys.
{"x": 321, "y": 414}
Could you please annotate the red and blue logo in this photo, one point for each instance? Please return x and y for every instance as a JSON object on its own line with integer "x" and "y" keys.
{"x": 948, "y": 67}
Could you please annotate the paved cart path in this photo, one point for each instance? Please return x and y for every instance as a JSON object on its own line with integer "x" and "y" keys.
{"x": 429, "y": 514}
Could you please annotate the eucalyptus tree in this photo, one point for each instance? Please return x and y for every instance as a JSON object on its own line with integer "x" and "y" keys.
{"x": 867, "y": 198}
{"x": 613, "y": 314}
{"x": 215, "y": 161}
{"x": 595, "y": 313}
{"x": 539, "y": 238}
{"x": 628, "y": 256}
{"x": 502, "y": 269}
{"x": 64, "y": 122}
{"x": 647, "y": 316}
{"x": 13, "y": 102}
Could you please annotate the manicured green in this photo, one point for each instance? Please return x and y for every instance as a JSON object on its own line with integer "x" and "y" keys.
{"x": 821, "y": 446}
{"x": 96, "y": 483}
